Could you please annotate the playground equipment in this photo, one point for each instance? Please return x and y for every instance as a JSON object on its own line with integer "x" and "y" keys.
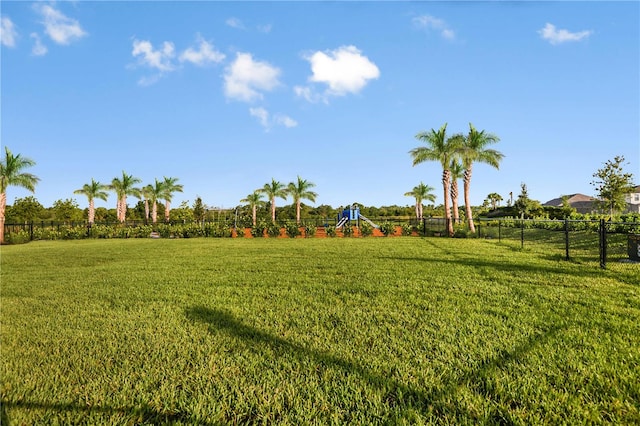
{"x": 352, "y": 214}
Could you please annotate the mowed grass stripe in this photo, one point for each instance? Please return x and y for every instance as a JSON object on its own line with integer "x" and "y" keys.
{"x": 306, "y": 331}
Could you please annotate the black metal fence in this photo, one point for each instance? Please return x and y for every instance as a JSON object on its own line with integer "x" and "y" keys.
{"x": 580, "y": 240}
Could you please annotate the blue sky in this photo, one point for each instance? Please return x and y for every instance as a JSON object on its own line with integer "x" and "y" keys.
{"x": 226, "y": 96}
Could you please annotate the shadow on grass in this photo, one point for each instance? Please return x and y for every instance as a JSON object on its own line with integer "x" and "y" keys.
{"x": 130, "y": 415}
{"x": 430, "y": 401}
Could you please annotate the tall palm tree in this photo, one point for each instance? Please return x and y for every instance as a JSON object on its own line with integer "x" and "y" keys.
{"x": 169, "y": 187}
{"x": 421, "y": 193}
{"x": 273, "y": 190}
{"x": 122, "y": 188}
{"x": 154, "y": 193}
{"x": 495, "y": 199}
{"x": 12, "y": 174}
{"x": 474, "y": 150}
{"x": 254, "y": 200}
{"x": 92, "y": 191}
{"x": 441, "y": 149}
{"x": 457, "y": 172}
{"x": 299, "y": 191}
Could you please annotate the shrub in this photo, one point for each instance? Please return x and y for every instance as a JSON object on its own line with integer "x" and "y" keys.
{"x": 310, "y": 230}
{"x": 407, "y": 229}
{"x": 258, "y": 230}
{"x": 366, "y": 229}
{"x": 18, "y": 237}
{"x": 347, "y": 230}
{"x": 273, "y": 230}
{"x": 239, "y": 232}
{"x": 331, "y": 231}
{"x": 387, "y": 228}
{"x": 292, "y": 230}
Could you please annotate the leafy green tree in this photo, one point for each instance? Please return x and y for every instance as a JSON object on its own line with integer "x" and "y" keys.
{"x": 254, "y": 200}
{"x": 26, "y": 209}
{"x": 124, "y": 187}
{"x": 198, "y": 209}
{"x": 612, "y": 184}
{"x": 273, "y": 190}
{"x": 525, "y": 205}
{"x": 183, "y": 213}
{"x": 92, "y": 191}
{"x": 170, "y": 186}
{"x": 441, "y": 149}
{"x": 301, "y": 190}
{"x": 67, "y": 210}
{"x": 566, "y": 209}
{"x": 12, "y": 174}
{"x": 475, "y": 150}
{"x": 421, "y": 193}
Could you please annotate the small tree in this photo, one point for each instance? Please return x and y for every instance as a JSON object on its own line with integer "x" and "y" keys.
{"x": 27, "y": 209}
{"x": 67, "y": 210}
{"x": 612, "y": 184}
{"x": 524, "y": 205}
{"x": 198, "y": 209}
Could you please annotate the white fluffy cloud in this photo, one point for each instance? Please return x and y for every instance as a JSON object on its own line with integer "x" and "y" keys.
{"x": 205, "y": 53}
{"x": 38, "y": 48}
{"x": 60, "y": 28}
{"x": 267, "y": 121}
{"x": 159, "y": 59}
{"x": 235, "y": 23}
{"x": 558, "y": 36}
{"x": 8, "y": 33}
{"x": 246, "y": 78}
{"x": 344, "y": 70}
{"x": 431, "y": 23}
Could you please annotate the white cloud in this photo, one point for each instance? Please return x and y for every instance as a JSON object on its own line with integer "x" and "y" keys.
{"x": 235, "y": 23}
{"x": 8, "y": 33}
{"x": 159, "y": 59}
{"x": 38, "y": 48}
{"x": 245, "y": 79}
{"x": 431, "y": 23}
{"x": 344, "y": 70}
{"x": 556, "y": 36}
{"x": 265, "y": 28}
{"x": 60, "y": 28}
{"x": 206, "y": 53}
{"x": 266, "y": 121}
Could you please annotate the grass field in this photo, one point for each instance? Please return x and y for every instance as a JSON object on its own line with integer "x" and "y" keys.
{"x": 315, "y": 331}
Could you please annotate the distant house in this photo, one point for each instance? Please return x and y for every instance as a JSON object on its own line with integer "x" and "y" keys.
{"x": 633, "y": 200}
{"x": 582, "y": 203}
{"x": 586, "y": 204}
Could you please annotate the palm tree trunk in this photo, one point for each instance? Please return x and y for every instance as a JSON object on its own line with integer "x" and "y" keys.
{"x": 146, "y": 210}
{"x": 417, "y": 210}
{"x": 420, "y": 210}
{"x": 446, "y": 179}
{"x": 298, "y": 212}
{"x": 154, "y": 212}
{"x": 467, "y": 202}
{"x": 273, "y": 209}
{"x": 123, "y": 208}
{"x": 167, "y": 208}
{"x": 3, "y": 205}
{"x": 454, "y": 201}
{"x": 254, "y": 214}
{"x": 92, "y": 212}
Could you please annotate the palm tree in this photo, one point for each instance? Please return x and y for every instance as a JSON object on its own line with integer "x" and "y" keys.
{"x": 421, "y": 193}
{"x": 273, "y": 190}
{"x": 442, "y": 149}
{"x": 92, "y": 191}
{"x": 495, "y": 199}
{"x": 11, "y": 173}
{"x": 154, "y": 193}
{"x": 145, "y": 193}
{"x": 299, "y": 191}
{"x": 254, "y": 200}
{"x": 122, "y": 188}
{"x": 474, "y": 150}
{"x": 457, "y": 172}
{"x": 170, "y": 186}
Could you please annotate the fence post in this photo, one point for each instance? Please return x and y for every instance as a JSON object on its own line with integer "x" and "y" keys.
{"x": 566, "y": 238}
{"x": 499, "y": 230}
{"x": 602, "y": 232}
{"x": 31, "y": 231}
{"x": 521, "y": 233}
{"x": 424, "y": 227}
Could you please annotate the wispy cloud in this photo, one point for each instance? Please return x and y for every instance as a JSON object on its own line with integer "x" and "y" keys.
{"x": 245, "y": 79}
{"x": 60, "y": 28}
{"x": 235, "y": 23}
{"x": 344, "y": 71}
{"x": 266, "y": 28}
{"x": 558, "y": 36}
{"x": 8, "y": 33}
{"x": 431, "y": 23}
{"x": 204, "y": 54}
{"x": 38, "y": 48}
{"x": 159, "y": 59}
{"x": 267, "y": 121}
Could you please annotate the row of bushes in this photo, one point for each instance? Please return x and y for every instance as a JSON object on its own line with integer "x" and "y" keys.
{"x": 559, "y": 225}
{"x": 192, "y": 230}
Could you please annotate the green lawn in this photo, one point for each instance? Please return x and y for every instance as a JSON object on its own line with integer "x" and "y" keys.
{"x": 315, "y": 331}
